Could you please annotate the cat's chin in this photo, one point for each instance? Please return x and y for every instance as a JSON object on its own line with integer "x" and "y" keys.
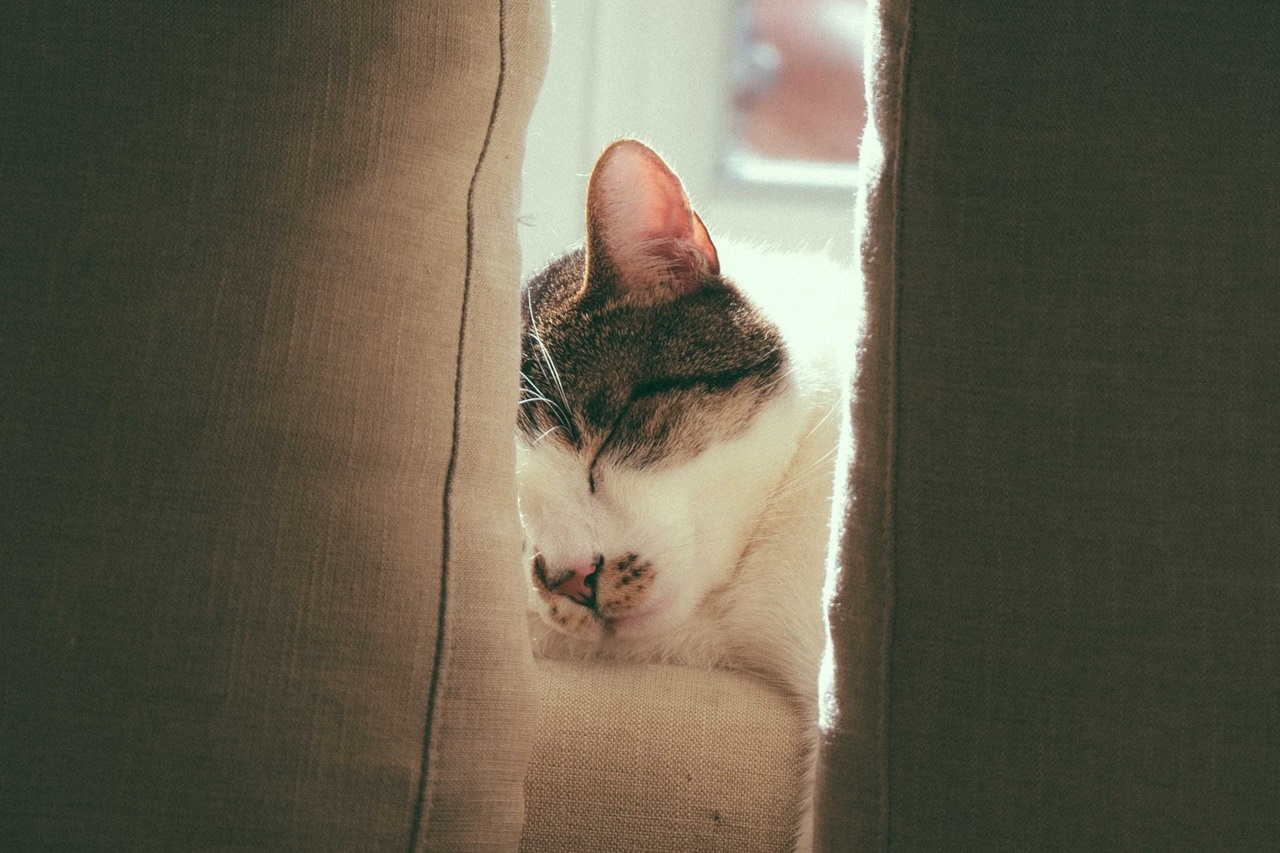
{"x": 645, "y": 620}
{"x": 580, "y": 623}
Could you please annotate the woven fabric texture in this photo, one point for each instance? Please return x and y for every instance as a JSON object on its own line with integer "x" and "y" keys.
{"x": 258, "y": 355}
{"x": 852, "y": 784}
{"x": 1072, "y": 514}
{"x": 661, "y": 759}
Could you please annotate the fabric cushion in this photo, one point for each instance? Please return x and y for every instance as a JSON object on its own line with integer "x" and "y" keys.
{"x": 1072, "y": 255}
{"x": 257, "y": 371}
{"x": 661, "y": 759}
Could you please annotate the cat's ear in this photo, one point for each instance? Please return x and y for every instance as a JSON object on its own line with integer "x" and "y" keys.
{"x": 644, "y": 241}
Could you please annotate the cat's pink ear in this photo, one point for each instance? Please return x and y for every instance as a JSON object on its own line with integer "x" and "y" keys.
{"x": 643, "y": 237}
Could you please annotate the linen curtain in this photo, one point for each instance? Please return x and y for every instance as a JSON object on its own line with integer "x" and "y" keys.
{"x": 258, "y": 525}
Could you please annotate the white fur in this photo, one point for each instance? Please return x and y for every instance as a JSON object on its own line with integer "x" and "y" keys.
{"x": 738, "y": 537}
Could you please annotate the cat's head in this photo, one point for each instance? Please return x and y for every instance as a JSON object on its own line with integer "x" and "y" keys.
{"x": 654, "y": 395}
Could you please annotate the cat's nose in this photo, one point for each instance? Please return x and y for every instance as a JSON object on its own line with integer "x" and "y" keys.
{"x": 580, "y": 583}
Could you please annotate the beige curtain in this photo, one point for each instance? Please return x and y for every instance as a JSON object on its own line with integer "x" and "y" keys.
{"x": 257, "y": 366}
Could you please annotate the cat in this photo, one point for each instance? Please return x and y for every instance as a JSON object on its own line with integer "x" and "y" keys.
{"x": 678, "y": 440}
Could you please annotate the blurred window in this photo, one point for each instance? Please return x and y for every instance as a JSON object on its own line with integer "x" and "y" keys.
{"x": 798, "y": 101}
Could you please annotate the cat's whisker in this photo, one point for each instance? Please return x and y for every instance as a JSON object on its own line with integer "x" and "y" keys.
{"x": 820, "y": 466}
{"x": 539, "y": 396}
{"x": 802, "y": 483}
{"x": 830, "y": 411}
{"x": 545, "y": 434}
{"x": 786, "y": 374}
{"x": 797, "y": 516}
{"x": 546, "y": 355}
{"x": 799, "y": 482}
{"x": 533, "y": 386}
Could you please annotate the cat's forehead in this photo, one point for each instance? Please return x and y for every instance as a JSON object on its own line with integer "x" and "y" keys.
{"x": 664, "y": 376}
{"x": 712, "y": 330}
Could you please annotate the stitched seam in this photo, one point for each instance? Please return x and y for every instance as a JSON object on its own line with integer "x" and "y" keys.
{"x": 422, "y": 803}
